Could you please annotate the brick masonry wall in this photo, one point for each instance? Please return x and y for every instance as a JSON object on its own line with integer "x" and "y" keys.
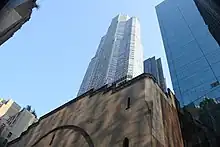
{"x": 172, "y": 131}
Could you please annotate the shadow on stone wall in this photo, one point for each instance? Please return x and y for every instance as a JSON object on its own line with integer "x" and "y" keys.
{"x": 200, "y": 123}
{"x": 72, "y": 127}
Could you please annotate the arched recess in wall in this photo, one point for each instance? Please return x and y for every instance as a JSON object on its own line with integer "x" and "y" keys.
{"x": 126, "y": 142}
{"x": 71, "y": 127}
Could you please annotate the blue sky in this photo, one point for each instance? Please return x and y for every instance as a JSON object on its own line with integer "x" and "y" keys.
{"x": 43, "y": 64}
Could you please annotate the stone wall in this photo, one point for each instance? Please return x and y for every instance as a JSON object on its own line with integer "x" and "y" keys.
{"x": 104, "y": 120}
{"x": 172, "y": 130}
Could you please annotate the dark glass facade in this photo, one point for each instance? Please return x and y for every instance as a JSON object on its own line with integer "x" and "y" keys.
{"x": 210, "y": 11}
{"x": 192, "y": 52}
{"x": 3, "y": 3}
{"x": 154, "y": 67}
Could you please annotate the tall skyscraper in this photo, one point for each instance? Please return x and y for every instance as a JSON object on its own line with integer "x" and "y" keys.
{"x": 154, "y": 67}
{"x": 119, "y": 55}
{"x": 193, "y": 54}
{"x": 210, "y": 11}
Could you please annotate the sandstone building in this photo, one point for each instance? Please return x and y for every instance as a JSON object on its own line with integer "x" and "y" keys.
{"x": 134, "y": 113}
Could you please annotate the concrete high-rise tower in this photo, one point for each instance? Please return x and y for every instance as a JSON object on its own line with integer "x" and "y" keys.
{"x": 119, "y": 55}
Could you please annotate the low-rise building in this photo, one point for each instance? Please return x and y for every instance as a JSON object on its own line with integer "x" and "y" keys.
{"x": 19, "y": 123}
{"x": 13, "y": 120}
{"x": 9, "y": 108}
{"x": 135, "y": 113}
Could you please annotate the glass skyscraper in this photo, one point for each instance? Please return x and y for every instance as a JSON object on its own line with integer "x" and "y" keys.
{"x": 192, "y": 52}
{"x": 119, "y": 55}
{"x": 154, "y": 67}
{"x": 210, "y": 11}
